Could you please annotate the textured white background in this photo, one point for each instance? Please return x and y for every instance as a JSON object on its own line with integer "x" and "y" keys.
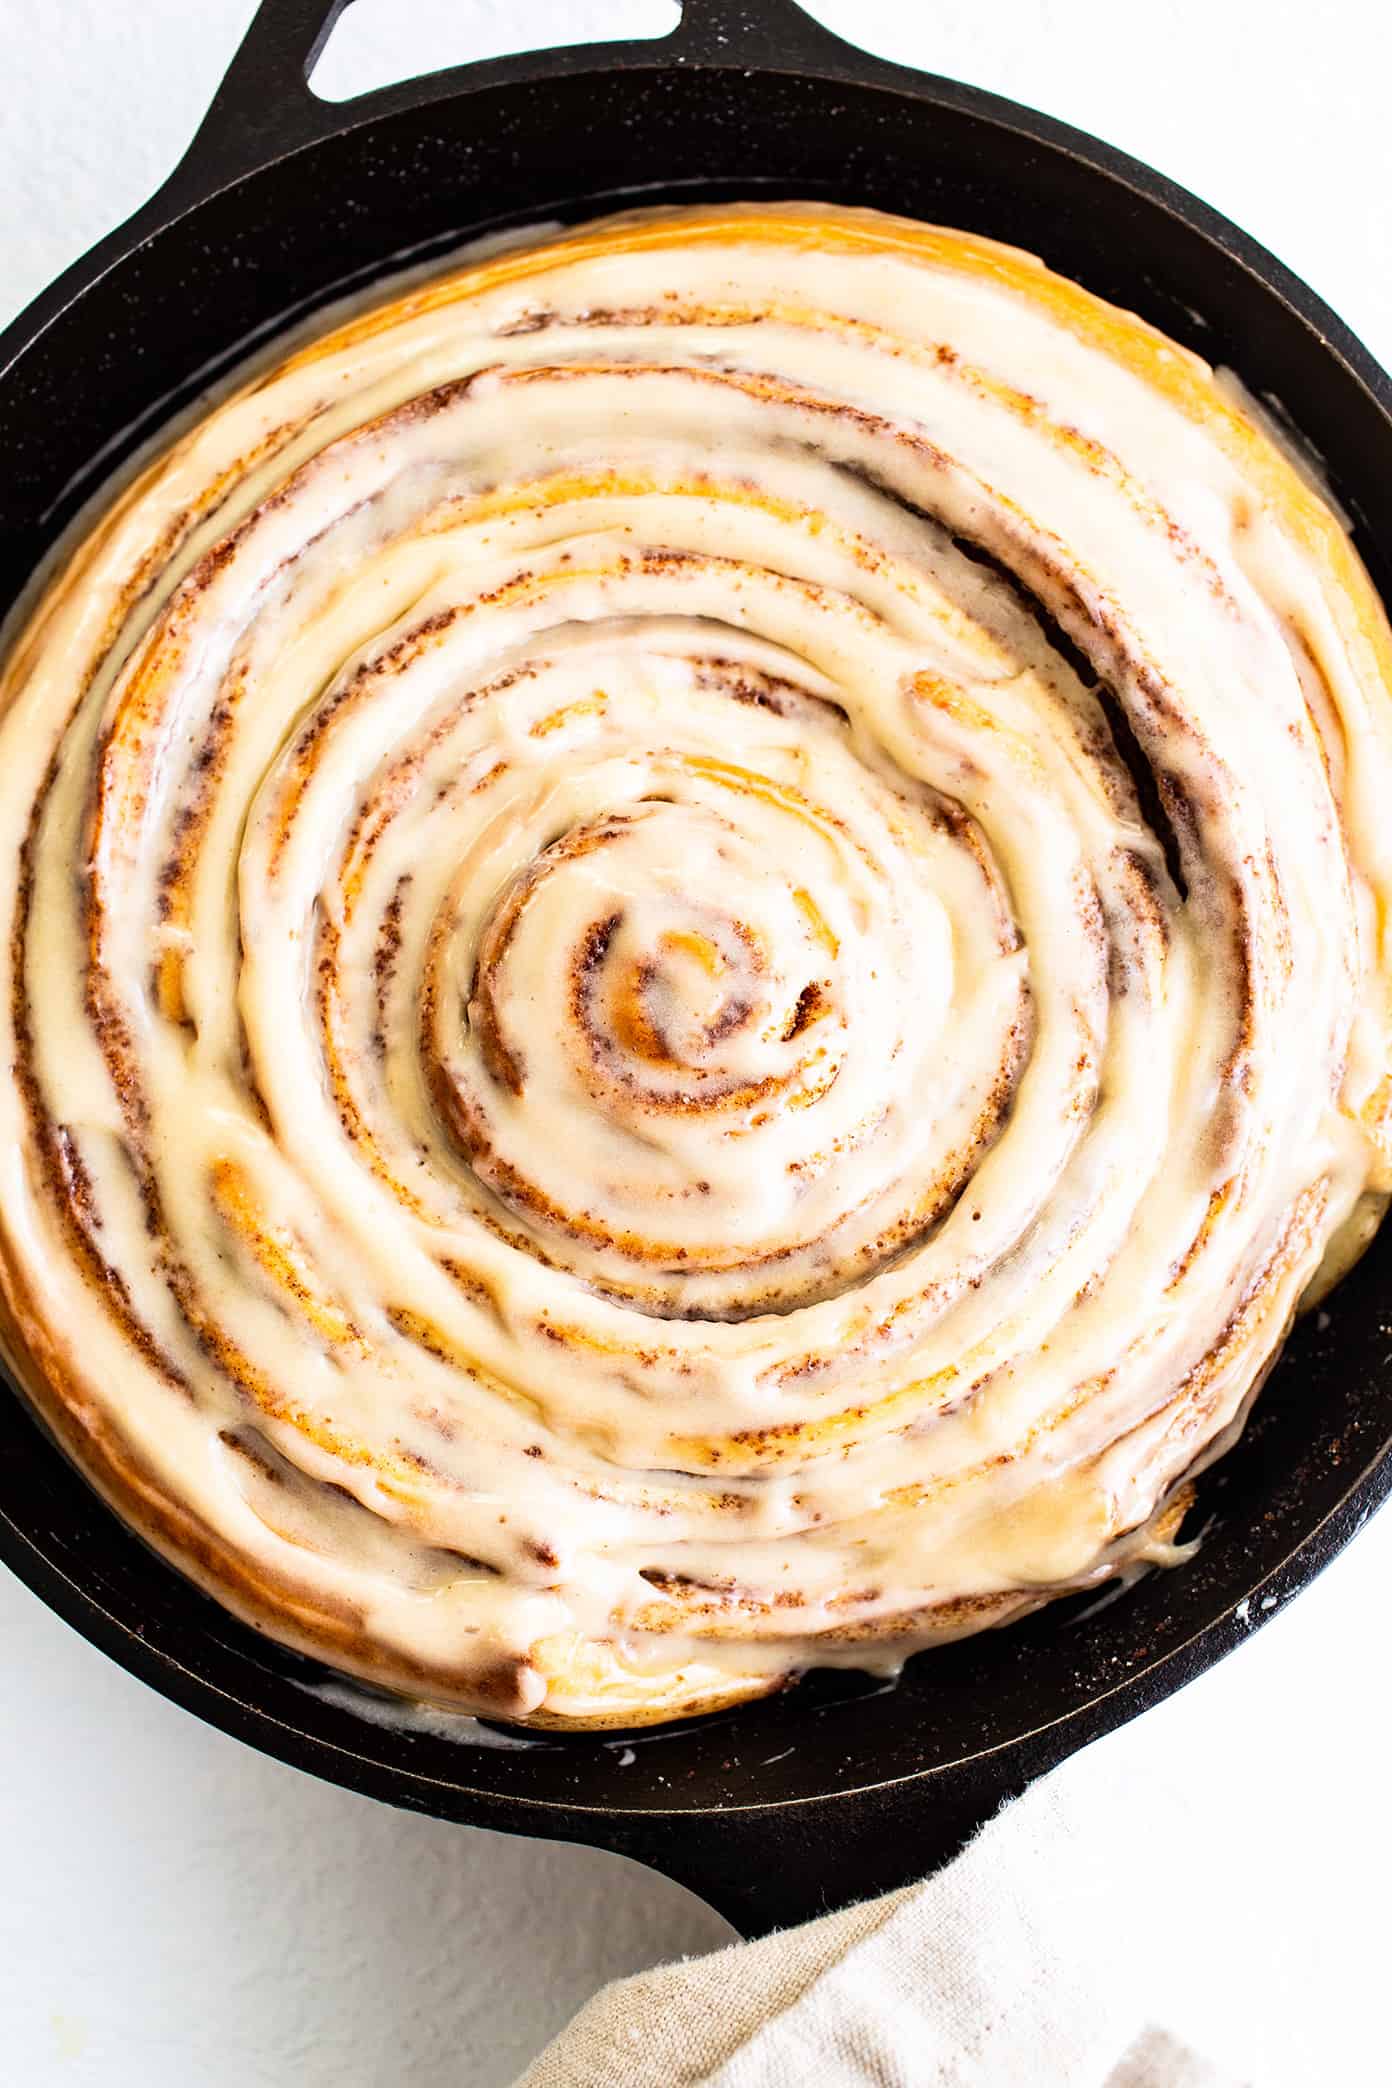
{"x": 176, "y": 1912}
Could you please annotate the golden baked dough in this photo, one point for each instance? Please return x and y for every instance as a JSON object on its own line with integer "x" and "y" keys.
{"x": 697, "y": 961}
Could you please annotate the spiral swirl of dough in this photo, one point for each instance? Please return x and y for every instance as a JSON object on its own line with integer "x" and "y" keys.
{"x": 697, "y": 961}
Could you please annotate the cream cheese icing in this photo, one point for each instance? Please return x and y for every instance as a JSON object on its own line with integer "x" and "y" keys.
{"x": 696, "y": 961}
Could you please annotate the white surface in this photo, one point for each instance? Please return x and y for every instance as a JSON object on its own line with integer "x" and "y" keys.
{"x": 178, "y": 1911}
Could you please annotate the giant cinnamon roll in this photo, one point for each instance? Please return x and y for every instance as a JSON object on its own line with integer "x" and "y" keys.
{"x": 697, "y": 961}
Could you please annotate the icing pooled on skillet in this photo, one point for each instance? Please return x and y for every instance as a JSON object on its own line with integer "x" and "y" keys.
{"x": 696, "y": 942}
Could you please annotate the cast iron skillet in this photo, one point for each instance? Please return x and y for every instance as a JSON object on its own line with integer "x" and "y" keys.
{"x": 840, "y": 1787}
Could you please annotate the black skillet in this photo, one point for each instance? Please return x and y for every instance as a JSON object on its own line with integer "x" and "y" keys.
{"x": 838, "y": 1788}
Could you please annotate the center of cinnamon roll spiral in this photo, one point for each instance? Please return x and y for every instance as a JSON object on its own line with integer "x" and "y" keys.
{"x": 717, "y": 1034}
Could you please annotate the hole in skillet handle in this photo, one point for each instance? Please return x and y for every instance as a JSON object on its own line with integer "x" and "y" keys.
{"x": 380, "y": 43}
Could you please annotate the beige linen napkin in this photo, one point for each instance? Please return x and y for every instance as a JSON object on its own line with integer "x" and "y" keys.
{"x": 1061, "y": 1947}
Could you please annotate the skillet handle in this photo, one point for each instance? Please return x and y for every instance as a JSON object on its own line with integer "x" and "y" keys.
{"x": 265, "y": 107}
{"x": 774, "y": 1866}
